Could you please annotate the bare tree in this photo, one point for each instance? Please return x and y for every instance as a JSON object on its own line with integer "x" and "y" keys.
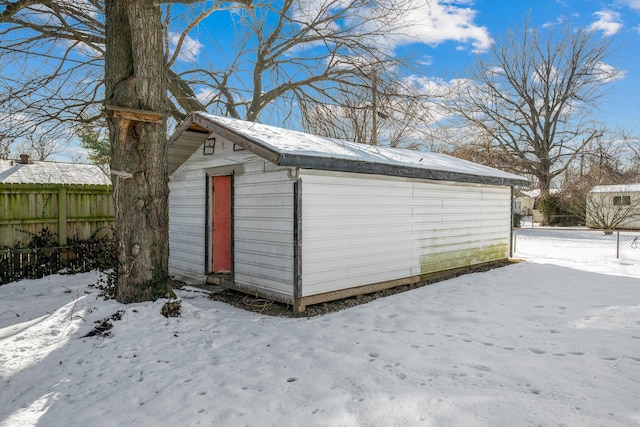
{"x": 6, "y": 142}
{"x": 533, "y": 96}
{"x": 602, "y": 162}
{"x": 379, "y": 109}
{"x": 52, "y": 55}
{"x": 632, "y": 144}
{"x": 284, "y": 51}
{"x": 37, "y": 146}
{"x": 57, "y": 49}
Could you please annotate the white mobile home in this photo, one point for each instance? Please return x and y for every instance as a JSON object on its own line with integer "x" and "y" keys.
{"x": 305, "y": 219}
{"x": 614, "y": 206}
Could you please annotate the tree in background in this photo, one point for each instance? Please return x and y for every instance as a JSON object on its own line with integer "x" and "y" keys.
{"x": 602, "y": 163}
{"x": 96, "y": 142}
{"x": 279, "y": 52}
{"x": 68, "y": 60}
{"x": 37, "y": 146}
{"x": 384, "y": 110}
{"x": 533, "y": 96}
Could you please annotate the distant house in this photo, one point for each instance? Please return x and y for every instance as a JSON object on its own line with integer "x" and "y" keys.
{"x": 305, "y": 219}
{"x": 524, "y": 201}
{"x": 616, "y": 205}
{"x": 67, "y": 199}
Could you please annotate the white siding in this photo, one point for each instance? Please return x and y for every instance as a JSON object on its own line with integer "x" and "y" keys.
{"x": 601, "y": 210}
{"x": 186, "y": 225}
{"x": 263, "y": 219}
{"x": 359, "y": 229}
{"x": 263, "y": 231}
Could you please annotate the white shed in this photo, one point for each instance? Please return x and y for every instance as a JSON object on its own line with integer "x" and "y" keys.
{"x": 305, "y": 219}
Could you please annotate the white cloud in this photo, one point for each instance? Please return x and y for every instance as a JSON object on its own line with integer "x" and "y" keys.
{"x": 206, "y": 95}
{"x": 608, "y": 22}
{"x": 633, "y": 4}
{"x": 561, "y": 20}
{"x": 190, "y": 49}
{"x": 439, "y": 21}
{"x": 430, "y": 22}
{"x": 435, "y": 86}
{"x": 609, "y": 73}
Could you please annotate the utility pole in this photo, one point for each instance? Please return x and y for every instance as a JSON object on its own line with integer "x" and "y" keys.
{"x": 374, "y": 118}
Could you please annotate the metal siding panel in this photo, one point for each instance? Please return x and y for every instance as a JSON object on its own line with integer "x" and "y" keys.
{"x": 358, "y": 231}
{"x": 186, "y": 222}
{"x": 263, "y": 227}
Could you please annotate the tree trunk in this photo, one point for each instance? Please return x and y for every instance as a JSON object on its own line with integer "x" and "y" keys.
{"x": 135, "y": 78}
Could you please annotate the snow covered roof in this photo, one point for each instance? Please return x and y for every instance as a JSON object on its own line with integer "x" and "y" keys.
{"x": 293, "y": 148}
{"x": 620, "y": 188}
{"x": 536, "y": 192}
{"x": 36, "y": 172}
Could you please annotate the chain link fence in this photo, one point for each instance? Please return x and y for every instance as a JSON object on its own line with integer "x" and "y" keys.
{"x": 576, "y": 243}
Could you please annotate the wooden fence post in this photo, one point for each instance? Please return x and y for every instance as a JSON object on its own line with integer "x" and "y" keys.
{"x": 62, "y": 224}
{"x": 62, "y": 215}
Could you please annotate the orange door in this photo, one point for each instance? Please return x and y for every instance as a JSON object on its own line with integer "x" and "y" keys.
{"x": 221, "y": 239}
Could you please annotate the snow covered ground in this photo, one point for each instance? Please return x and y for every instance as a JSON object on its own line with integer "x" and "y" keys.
{"x": 544, "y": 342}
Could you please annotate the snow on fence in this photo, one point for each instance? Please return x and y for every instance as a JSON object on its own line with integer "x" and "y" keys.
{"x": 77, "y": 211}
{"x": 576, "y": 243}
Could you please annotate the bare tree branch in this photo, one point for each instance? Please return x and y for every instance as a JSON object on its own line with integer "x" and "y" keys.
{"x": 533, "y": 96}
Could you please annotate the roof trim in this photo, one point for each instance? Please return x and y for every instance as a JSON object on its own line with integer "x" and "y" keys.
{"x": 198, "y": 123}
{"x": 354, "y": 166}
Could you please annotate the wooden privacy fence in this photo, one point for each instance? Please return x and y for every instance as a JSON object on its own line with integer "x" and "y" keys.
{"x": 69, "y": 211}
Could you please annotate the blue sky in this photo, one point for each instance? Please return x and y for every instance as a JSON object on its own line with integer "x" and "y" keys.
{"x": 617, "y": 19}
{"x": 452, "y": 34}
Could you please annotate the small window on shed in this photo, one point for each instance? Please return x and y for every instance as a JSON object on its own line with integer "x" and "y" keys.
{"x": 621, "y": 200}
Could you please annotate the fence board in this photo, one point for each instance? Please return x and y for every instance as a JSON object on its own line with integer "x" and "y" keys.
{"x": 66, "y": 210}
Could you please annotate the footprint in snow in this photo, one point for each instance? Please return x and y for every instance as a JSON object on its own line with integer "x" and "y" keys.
{"x": 537, "y": 351}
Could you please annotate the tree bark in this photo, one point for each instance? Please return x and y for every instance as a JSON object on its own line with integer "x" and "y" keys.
{"x": 135, "y": 78}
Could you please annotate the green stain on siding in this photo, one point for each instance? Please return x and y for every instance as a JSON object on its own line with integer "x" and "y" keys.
{"x": 446, "y": 260}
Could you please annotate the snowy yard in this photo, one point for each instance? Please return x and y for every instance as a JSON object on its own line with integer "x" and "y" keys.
{"x": 545, "y": 342}
{"x": 577, "y": 243}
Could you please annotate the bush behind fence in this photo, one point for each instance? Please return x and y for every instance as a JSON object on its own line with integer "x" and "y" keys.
{"x": 42, "y": 257}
